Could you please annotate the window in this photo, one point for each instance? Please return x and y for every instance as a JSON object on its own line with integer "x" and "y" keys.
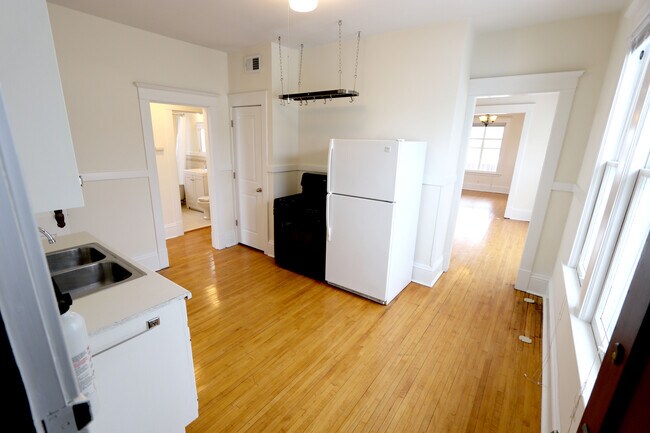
{"x": 596, "y": 218}
{"x": 629, "y": 245}
{"x": 201, "y": 130}
{"x": 618, "y": 222}
{"x": 484, "y": 148}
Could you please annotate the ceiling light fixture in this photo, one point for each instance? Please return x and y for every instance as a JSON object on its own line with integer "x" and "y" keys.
{"x": 303, "y": 5}
{"x": 486, "y": 119}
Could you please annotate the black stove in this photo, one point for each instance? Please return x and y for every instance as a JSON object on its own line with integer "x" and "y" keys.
{"x": 299, "y": 228}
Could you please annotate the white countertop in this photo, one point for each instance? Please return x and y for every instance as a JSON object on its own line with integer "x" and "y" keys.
{"x": 109, "y": 307}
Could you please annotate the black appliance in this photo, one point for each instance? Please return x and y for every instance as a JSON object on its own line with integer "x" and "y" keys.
{"x": 299, "y": 227}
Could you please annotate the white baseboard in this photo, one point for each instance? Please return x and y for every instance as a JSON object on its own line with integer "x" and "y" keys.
{"x": 518, "y": 214}
{"x": 550, "y": 378}
{"x": 536, "y": 284}
{"x": 149, "y": 261}
{"x": 224, "y": 238}
{"x": 482, "y": 187}
{"x": 174, "y": 230}
{"x": 270, "y": 249}
{"x": 523, "y": 277}
{"x": 425, "y": 274}
{"x": 547, "y": 415}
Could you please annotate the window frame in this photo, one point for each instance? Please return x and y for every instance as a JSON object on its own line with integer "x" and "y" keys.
{"x": 620, "y": 152}
{"x": 600, "y": 330}
{"x": 496, "y": 171}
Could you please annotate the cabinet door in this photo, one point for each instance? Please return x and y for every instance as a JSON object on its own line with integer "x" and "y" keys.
{"x": 200, "y": 186}
{"x": 190, "y": 195}
{"x": 33, "y": 98}
{"x": 146, "y": 383}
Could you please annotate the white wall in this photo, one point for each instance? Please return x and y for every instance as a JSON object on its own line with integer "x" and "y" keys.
{"x": 576, "y": 44}
{"x": 242, "y": 81}
{"x": 99, "y": 61}
{"x": 395, "y": 102}
{"x": 404, "y": 93}
{"x": 566, "y": 351}
{"x": 500, "y": 181}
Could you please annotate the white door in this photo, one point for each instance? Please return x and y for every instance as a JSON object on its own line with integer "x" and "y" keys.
{"x": 359, "y": 244}
{"x": 247, "y": 139}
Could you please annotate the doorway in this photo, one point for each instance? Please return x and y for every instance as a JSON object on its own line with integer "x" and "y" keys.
{"x": 520, "y": 161}
{"x": 564, "y": 85}
{"x": 182, "y": 143}
{"x": 218, "y": 161}
{"x": 247, "y": 144}
{"x": 507, "y": 146}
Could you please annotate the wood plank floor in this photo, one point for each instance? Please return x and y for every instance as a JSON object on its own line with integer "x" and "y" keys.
{"x": 278, "y": 352}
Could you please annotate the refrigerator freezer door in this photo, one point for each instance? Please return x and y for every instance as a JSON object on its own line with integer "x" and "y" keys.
{"x": 359, "y": 245}
{"x": 363, "y": 168}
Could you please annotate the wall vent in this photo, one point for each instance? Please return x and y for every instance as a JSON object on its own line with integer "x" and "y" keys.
{"x": 252, "y": 64}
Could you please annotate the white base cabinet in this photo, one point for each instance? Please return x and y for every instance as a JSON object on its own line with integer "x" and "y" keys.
{"x": 145, "y": 375}
{"x": 196, "y": 185}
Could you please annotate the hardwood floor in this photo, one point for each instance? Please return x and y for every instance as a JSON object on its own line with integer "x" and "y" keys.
{"x": 275, "y": 351}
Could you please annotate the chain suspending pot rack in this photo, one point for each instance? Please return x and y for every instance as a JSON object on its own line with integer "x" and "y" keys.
{"x": 325, "y": 95}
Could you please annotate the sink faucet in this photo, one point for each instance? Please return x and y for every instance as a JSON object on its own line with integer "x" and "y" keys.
{"x": 48, "y": 235}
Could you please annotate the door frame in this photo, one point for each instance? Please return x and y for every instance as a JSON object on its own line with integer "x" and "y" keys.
{"x": 564, "y": 83}
{"x": 219, "y": 162}
{"x": 253, "y": 99}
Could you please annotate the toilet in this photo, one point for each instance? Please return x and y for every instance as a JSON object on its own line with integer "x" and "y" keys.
{"x": 204, "y": 205}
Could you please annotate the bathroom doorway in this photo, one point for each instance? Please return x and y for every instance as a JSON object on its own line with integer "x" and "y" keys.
{"x": 219, "y": 162}
{"x": 181, "y": 142}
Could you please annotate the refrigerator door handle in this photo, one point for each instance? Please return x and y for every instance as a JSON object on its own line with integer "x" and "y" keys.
{"x": 329, "y": 166}
{"x": 327, "y": 217}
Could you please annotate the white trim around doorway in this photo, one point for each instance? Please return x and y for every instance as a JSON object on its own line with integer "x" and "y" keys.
{"x": 219, "y": 162}
{"x": 564, "y": 83}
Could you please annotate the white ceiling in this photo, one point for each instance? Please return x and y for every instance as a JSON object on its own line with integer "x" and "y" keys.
{"x": 233, "y": 24}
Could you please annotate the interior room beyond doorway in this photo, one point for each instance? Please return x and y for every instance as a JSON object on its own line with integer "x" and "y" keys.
{"x": 181, "y": 142}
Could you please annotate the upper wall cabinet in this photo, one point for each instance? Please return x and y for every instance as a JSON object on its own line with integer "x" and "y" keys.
{"x": 33, "y": 97}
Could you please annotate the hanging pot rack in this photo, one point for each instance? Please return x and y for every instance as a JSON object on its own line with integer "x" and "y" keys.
{"x": 325, "y": 95}
{"x": 320, "y": 94}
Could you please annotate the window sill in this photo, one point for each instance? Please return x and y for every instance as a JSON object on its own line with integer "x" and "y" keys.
{"x": 487, "y": 173}
{"x": 587, "y": 358}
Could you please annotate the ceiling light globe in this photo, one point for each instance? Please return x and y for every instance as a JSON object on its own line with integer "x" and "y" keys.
{"x": 303, "y": 5}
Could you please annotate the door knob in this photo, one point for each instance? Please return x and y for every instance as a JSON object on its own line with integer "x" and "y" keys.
{"x": 259, "y": 190}
{"x": 618, "y": 353}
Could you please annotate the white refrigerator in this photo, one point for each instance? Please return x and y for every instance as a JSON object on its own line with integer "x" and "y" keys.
{"x": 373, "y": 205}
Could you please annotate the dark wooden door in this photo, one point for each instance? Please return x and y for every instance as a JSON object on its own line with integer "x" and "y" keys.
{"x": 620, "y": 401}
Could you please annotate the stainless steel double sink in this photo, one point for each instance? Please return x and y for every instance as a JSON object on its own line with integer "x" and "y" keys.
{"x": 88, "y": 268}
